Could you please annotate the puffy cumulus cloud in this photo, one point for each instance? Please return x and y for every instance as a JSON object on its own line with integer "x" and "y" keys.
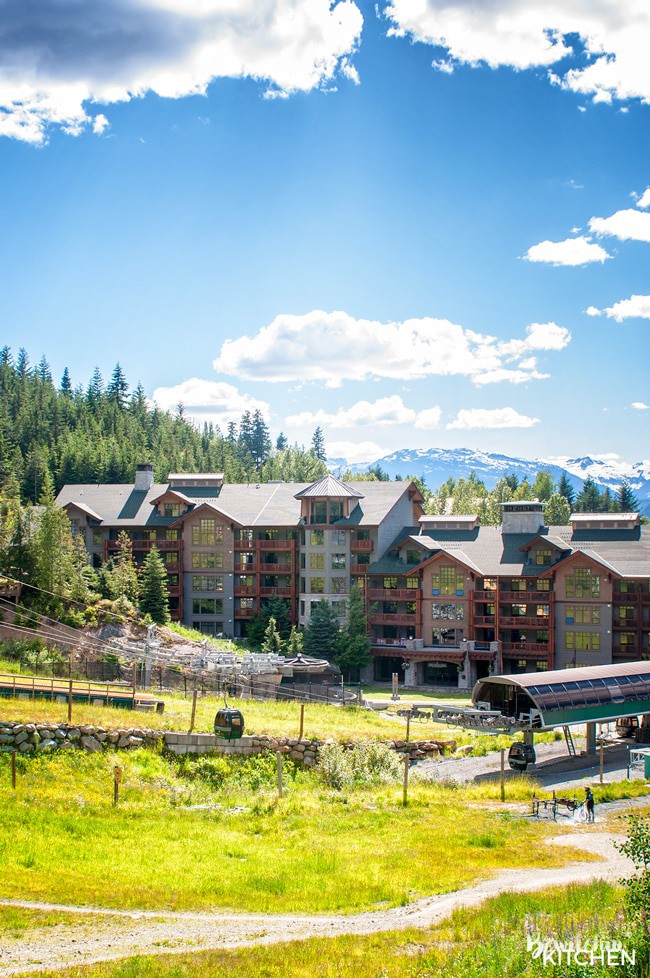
{"x": 524, "y": 34}
{"x": 593, "y": 311}
{"x": 333, "y": 347}
{"x": 382, "y": 413}
{"x": 429, "y": 418}
{"x": 506, "y": 417}
{"x": 636, "y": 307}
{"x": 644, "y": 199}
{"x": 356, "y": 452}
{"x": 208, "y": 400}
{"x": 572, "y": 251}
{"x": 58, "y": 59}
{"x": 640, "y": 406}
{"x": 626, "y": 225}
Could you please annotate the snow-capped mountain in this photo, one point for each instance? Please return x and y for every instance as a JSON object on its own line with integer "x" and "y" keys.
{"x": 436, "y": 465}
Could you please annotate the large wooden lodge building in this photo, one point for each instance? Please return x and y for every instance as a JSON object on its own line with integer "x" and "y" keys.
{"x": 448, "y": 601}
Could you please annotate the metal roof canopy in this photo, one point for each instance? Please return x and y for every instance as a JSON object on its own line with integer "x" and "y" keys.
{"x": 543, "y": 700}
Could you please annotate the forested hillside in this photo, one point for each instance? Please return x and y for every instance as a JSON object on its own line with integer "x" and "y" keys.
{"x": 99, "y": 433}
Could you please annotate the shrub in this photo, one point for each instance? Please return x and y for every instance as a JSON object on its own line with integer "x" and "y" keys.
{"x": 363, "y": 765}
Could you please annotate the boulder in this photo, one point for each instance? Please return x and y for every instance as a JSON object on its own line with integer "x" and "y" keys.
{"x": 90, "y": 743}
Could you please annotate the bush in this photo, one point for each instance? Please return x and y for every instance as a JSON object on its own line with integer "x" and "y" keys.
{"x": 362, "y": 766}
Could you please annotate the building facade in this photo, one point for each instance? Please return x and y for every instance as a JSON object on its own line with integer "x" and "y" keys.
{"x": 448, "y": 601}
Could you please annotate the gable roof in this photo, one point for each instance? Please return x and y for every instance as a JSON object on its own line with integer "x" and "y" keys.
{"x": 329, "y": 486}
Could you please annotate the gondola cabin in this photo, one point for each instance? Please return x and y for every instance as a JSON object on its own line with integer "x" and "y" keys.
{"x": 229, "y": 724}
{"x": 521, "y": 755}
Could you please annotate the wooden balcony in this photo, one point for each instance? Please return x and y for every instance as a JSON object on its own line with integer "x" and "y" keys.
{"x": 521, "y": 650}
{"x": 276, "y": 592}
{"x": 245, "y": 545}
{"x": 147, "y": 545}
{"x": 393, "y": 594}
{"x": 524, "y": 597}
{"x": 245, "y": 568}
{"x": 245, "y": 590}
{"x": 359, "y": 568}
{"x": 624, "y": 622}
{"x": 245, "y": 612}
{"x": 485, "y": 621}
{"x": 627, "y": 652}
{"x": 361, "y": 545}
{"x": 524, "y": 621}
{"x": 392, "y": 619}
{"x": 490, "y": 596}
{"x": 275, "y": 544}
{"x": 275, "y": 568}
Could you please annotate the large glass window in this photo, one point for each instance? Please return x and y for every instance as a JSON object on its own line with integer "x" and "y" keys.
{"x": 583, "y": 583}
{"x": 339, "y": 585}
{"x": 245, "y": 580}
{"x": 518, "y": 584}
{"x": 336, "y": 510}
{"x": 390, "y": 583}
{"x": 339, "y": 538}
{"x": 583, "y": 641}
{"x": 447, "y": 580}
{"x": 413, "y": 583}
{"x": 246, "y": 604}
{"x": 447, "y": 612}
{"x": 98, "y": 538}
{"x": 489, "y": 583}
{"x": 245, "y": 535}
{"x": 319, "y": 511}
{"x": 169, "y": 557}
{"x": 413, "y": 556}
{"x": 317, "y": 585}
{"x": 582, "y": 614}
{"x": 317, "y": 561}
{"x": 317, "y": 538}
{"x": 172, "y": 509}
{"x": 543, "y": 584}
{"x": 207, "y": 582}
{"x": 206, "y": 561}
{"x": 338, "y": 561}
{"x": 626, "y": 612}
{"x": 171, "y": 535}
{"x": 207, "y": 606}
{"x": 543, "y": 556}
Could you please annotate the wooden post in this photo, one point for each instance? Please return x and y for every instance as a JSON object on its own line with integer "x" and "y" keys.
{"x": 602, "y": 761}
{"x": 70, "y": 702}
{"x": 13, "y": 769}
{"x": 134, "y": 679}
{"x": 117, "y": 777}
{"x": 405, "y": 792}
{"x": 408, "y": 726}
{"x": 503, "y": 772}
{"x": 302, "y": 721}
{"x": 278, "y": 757}
{"x": 196, "y": 693}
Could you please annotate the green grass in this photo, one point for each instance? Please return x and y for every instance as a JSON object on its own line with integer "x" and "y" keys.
{"x": 314, "y": 850}
{"x": 15, "y": 922}
{"x": 487, "y": 942}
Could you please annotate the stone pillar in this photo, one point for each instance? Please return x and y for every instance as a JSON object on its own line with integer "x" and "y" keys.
{"x": 591, "y": 738}
{"x": 411, "y": 674}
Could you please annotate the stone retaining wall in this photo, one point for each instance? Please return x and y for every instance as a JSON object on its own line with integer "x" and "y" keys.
{"x": 30, "y": 737}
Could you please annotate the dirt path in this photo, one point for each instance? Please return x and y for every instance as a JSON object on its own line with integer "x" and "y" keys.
{"x": 110, "y": 934}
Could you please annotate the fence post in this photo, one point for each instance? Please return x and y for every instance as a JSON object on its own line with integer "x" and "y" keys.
{"x": 117, "y": 777}
{"x": 302, "y": 720}
{"x": 196, "y": 693}
{"x": 278, "y": 758}
{"x": 70, "y": 702}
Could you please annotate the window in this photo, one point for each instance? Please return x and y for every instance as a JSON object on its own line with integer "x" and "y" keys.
{"x": 582, "y": 614}
{"x": 518, "y": 610}
{"x": 303, "y": 586}
{"x": 245, "y": 536}
{"x": 413, "y": 556}
{"x": 362, "y": 535}
{"x": 413, "y": 583}
{"x": 447, "y": 612}
{"x": 339, "y": 608}
{"x": 207, "y": 582}
{"x": 171, "y": 535}
{"x": 489, "y": 584}
{"x": 172, "y": 580}
{"x": 518, "y": 584}
{"x": 317, "y": 538}
{"x": 363, "y": 559}
{"x": 543, "y": 610}
{"x": 583, "y": 583}
{"x": 149, "y": 535}
{"x": 302, "y": 609}
{"x": 245, "y": 580}
{"x": 338, "y": 561}
{"x": 98, "y": 538}
{"x": 447, "y": 580}
{"x": 172, "y": 509}
{"x": 302, "y": 562}
{"x": 360, "y": 582}
{"x": 207, "y": 606}
{"x": 246, "y": 604}
{"x": 317, "y": 585}
{"x": 336, "y": 510}
{"x": 626, "y": 612}
{"x": 626, "y": 587}
{"x": 319, "y": 512}
{"x": 206, "y": 533}
{"x": 543, "y": 556}
{"x": 583, "y": 641}
{"x": 339, "y": 585}
{"x": 169, "y": 557}
{"x": 390, "y": 583}
{"x": 245, "y": 557}
{"x": 543, "y": 585}
{"x": 339, "y": 538}
{"x": 206, "y": 561}
{"x": 317, "y": 561}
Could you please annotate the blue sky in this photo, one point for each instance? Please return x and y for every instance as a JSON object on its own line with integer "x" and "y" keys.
{"x": 327, "y": 212}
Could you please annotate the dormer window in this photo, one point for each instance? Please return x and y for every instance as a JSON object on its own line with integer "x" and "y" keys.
{"x": 171, "y": 510}
{"x": 543, "y": 556}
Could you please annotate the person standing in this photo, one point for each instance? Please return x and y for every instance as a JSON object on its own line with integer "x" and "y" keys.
{"x": 589, "y": 801}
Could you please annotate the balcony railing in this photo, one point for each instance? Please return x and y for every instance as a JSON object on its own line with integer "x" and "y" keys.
{"x": 148, "y": 544}
{"x": 490, "y": 596}
{"x": 392, "y": 594}
{"x": 245, "y": 612}
{"x": 266, "y": 568}
{"x": 276, "y": 592}
{"x": 484, "y": 620}
{"x": 522, "y": 649}
{"x": 245, "y": 568}
{"x": 275, "y": 544}
{"x": 359, "y": 568}
{"x": 522, "y": 621}
{"x": 392, "y": 619}
{"x": 244, "y": 590}
{"x": 524, "y": 597}
{"x": 625, "y": 652}
{"x": 361, "y": 545}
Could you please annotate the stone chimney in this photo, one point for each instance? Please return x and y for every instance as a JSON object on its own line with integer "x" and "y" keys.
{"x": 522, "y": 517}
{"x": 143, "y": 476}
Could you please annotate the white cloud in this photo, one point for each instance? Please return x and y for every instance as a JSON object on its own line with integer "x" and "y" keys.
{"x": 627, "y": 225}
{"x": 333, "y": 347}
{"x": 636, "y": 307}
{"x": 100, "y": 124}
{"x": 526, "y": 33}
{"x": 356, "y": 453}
{"x": 640, "y": 406}
{"x": 381, "y": 413}
{"x": 57, "y": 59}
{"x": 572, "y": 251}
{"x": 593, "y": 311}
{"x": 208, "y": 400}
{"x": 468, "y": 418}
{"x": 428, "y": 419}
{"x": 644, "y": 199}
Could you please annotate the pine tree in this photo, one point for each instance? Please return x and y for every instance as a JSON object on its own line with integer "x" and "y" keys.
{"x": 321, "y": 635}
{"x": 318, "y": 445}
{"x": 260, "y": 447}
{"x": 566, "y": 489}
{"x": 588, "y": 499}
{"x": 272, "y": 644}
{"x": 353, "y": 647}
{"x": 281, "y": 442}
{"x": 153, "y": 598}
{"x": 118, "y": 388}
{"x": 122, "y": 580}
{"x": 294, "y": 643}
{"x": 95, "y": 390}
{"x": 66, "y": 384}
{"x": 626, "y": 498}
{"x": 543, "y": 487}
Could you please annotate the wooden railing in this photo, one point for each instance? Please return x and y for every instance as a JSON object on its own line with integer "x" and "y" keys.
{"x": 364, "y": 545}
{"x": 392, "y": 594}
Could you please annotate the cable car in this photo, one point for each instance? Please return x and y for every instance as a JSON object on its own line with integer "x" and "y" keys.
{"x": 521, "y": 755}
{"x": 229, "y": 723}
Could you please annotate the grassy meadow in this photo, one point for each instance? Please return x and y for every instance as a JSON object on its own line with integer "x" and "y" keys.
{"x": 486, "y": 942}
{"x": 192, "y": 834}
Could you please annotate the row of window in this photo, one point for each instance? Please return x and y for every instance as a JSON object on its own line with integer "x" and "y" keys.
{"x": 583, "y": 641}
{"x": 317, "y": 561}
{"x": 338, "y": 585}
